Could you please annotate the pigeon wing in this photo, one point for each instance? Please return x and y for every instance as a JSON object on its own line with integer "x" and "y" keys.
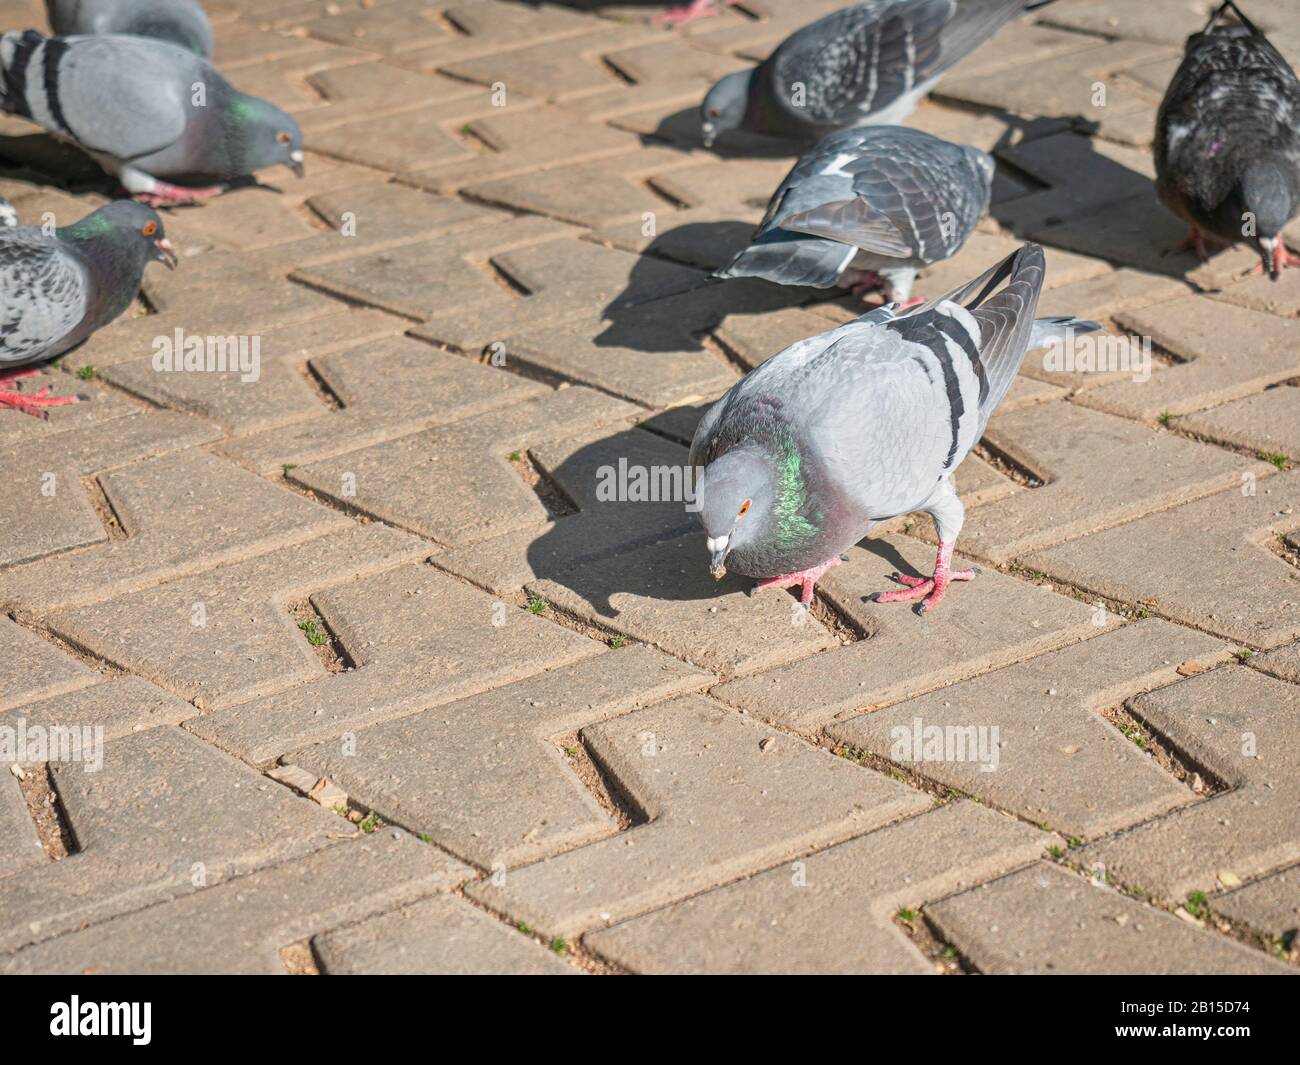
{"x": 858, "y": 60}
{"x": 125, "y": 96}
{"x": 45, "y": 291}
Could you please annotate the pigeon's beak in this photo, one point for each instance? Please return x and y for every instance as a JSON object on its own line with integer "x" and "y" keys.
{"x": 166, "y": 253}
{"x": 1272, "y": 255}
{"x": 295, "y": 163}
{"x": 709, "y": 132}
{"x": 718, "y": 548}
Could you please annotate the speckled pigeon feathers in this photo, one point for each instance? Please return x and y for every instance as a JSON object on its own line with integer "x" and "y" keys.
{"x": 1234, "y": 103}
{"x": 60, "y": 287}
{"x": 869, "y": 63}
{"x": 182, "y": 22}
{"x": 900, "y": 197}
{"x": 46, "y": 290}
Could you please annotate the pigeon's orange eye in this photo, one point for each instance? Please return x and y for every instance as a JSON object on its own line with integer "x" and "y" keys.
{"x": 150, "y": 228}
{"x": 283, "y": 137}
{"x": 744, "y": 507}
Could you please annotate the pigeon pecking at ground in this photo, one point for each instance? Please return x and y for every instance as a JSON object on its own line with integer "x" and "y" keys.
{"x": 148, "y": 112}
{"x": 865, "y": 65}
{"x": 867, "y": 208}
{"x": 863, "y": 423}
{"x": 182, "y": 22}
{"x": 60, "y": 287}
{"x": 1227, "y": 146}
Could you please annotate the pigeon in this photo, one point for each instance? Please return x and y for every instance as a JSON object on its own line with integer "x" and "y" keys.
{"x": 179, "y": 21}
{"x": 148, "y": 112}
{"x": 1227, "y": 149}
{"x": 804, "y": 455}
{"x": 8, "y": 216}
{"x": 869, "y": 207}
{"x": 868, "y": 64}
{"x": 60, "y": 287}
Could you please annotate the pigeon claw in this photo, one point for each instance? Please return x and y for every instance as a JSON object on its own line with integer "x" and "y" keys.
{"x": 680, "y": 16}
{"x": 930, "y": 590}
{"x": 806, "y": 579}
{"x": 33, "y": 403}
{"x": 165, "y": 195}
{"x": 1197, "y": 242}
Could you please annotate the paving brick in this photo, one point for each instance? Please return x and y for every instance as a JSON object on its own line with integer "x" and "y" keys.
{"x": 1209, "y": 372}
{"x": 591, "y": 194}
{"x": 1067, "y": 86}
{"x": 720, "y": 807}
{"x": 1267, "y": 422}
{"x": 438, "y": 935}
{"x": 389, "y": 27}
{"x": 706, "y": 237}
{"x": 1211, "y": 563}
{"x": 831, "y": 911}
{"x": 1281, "y": 662}
{"x": 1270, "y": 904}
{"x": 165, "y": 815}
{"x": 1046, "y": 920}
{"x": 517, "y": 140}
{"x": 33, "y": 668}
{"x": 386, "y": 391}
{"x": 991, "y": 622}
{"x": 419, "y": 638}
{"x": 1261, "y": 293}
{"x": 224, "y": 635}
{"x": 482, "y": 776}
{"x": 117, "y": 703}
{"x": 180, "y": 514}
{"x": 1241, "y": 725}
{"x": 241, "y": 925}
{"x": 283, "y": 392}
{"x": 20, "y": 847}
{"x": 423, "y": 279}
{"x": 1099, "y": 471}
{"x": 983, "y": 249}
{"x": 1162, "y": 21}
{"x": 466, "y": 488}
{"x": 1052, "y": 759}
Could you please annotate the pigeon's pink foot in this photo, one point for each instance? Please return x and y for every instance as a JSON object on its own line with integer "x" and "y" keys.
{"x": 165, "y": 195}
{"x": 1199, "y": 243}
{"x": 680, "y": 16}
{"x": 805, "y": 578}
{"x": 33, "y": 403}
{"x": 1283, "y": 260}
{"x": 935, "y": 586}
{"x": 914, "y": 301}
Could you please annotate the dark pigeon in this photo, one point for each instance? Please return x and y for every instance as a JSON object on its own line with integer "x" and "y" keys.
{"x": 863, "y": 423}
{"x": 868, "y": 64}
{"x": 60, "y": 287}
{"x": 157, "y": 117}
{"x": 1227, "y": 149}
{"x": 869, "y": 207}
{"x": 182, "y": 22}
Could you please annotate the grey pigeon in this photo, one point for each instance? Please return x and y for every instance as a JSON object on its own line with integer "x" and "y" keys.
{"x": 179, "y": 21}
{"x": 1227, "y": 146}
{"x": 869, "y": 206}
{"x": 863, "y": 423}
{"x": 8, "y": 216}
{"x": 868, "y": 64}
{"x": 60, "y": 287}
{"x": 147, "y": 111}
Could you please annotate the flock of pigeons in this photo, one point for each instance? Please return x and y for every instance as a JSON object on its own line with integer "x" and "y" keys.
{"x": 129, "y": 82}
{"x": 822, "y": 441}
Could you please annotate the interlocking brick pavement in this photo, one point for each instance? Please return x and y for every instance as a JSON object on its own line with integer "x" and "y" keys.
{"x": 385, "y": 562}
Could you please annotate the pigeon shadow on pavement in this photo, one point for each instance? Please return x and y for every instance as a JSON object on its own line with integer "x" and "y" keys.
{"x": 615, "y": 541}
{"x": 682, "y": 130}
{"x": 646, "y": 317}
{"x": 1127, "y": 227}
